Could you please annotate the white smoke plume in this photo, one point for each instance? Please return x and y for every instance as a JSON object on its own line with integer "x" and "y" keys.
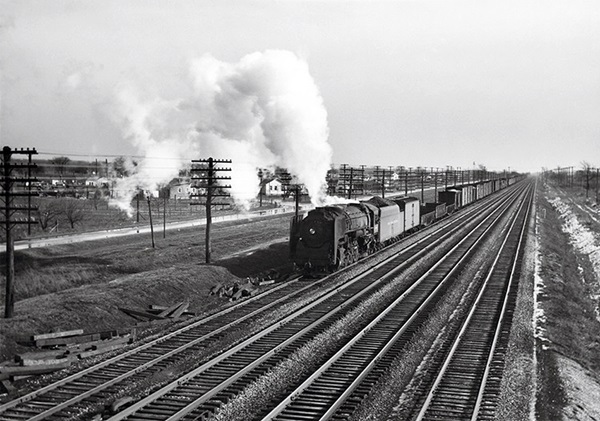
{"x": 164, "y": 151}
{"x": 264, "y": 111}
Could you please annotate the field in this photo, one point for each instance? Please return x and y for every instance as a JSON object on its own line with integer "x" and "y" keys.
{"x": 83, "y": 285}
{"x": 67, "y": 215}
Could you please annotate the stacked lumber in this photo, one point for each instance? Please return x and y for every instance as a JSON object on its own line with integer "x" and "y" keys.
{"x": 57, "y": 350}
{"x": 156, "y": 312}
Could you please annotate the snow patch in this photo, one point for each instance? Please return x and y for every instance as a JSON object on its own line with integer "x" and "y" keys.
{"x": 539, "y": 317}
{"x": 584, "y": 240}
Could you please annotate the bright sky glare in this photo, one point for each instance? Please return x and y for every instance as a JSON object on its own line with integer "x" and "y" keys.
{"x": 431, "y": 83}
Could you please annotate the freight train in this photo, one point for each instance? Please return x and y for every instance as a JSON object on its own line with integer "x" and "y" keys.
{"x": 331, "y": 237}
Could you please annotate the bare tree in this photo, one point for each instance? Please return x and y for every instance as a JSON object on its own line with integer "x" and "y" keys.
{"x": 60, "y": 163}
{"x": 73, "y": 210}
{"x": 48, "y": 209}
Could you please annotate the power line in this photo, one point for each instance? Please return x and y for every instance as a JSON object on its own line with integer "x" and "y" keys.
{"x": 96, "y": 156}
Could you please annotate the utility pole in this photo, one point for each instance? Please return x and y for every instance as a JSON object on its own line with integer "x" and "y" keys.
{"x": 597, "y": 170}
{"x": 29, "y": 167}
{"x": 343, "y": 176}
{"x": 150, "y": 216}
{"x": 351, "y": 181}
{"x": 164, "y": 213}
{"x": 422, "y": 185}
{"x": 260, "y": 190}
{"x": 446, "y": 177}
{"x": 380, "y": 177}
{"x": 362, "y": 180}
{"x": 9, "y": 209}
{"x": 295, "y": 189}
{"x": 435, "y": 176}
{"x": 137, "y": 201}
{"x": 207, "y": 171}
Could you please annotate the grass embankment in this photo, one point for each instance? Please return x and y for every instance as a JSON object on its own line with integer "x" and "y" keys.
{"x": 569, "y": 362}
{"x": 82, "y": 285}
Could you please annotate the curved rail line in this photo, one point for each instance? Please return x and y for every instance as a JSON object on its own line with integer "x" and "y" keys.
{"x": 206, "y": 387}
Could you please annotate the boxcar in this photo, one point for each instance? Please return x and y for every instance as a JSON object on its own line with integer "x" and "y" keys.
{"x": 466, "y": 194}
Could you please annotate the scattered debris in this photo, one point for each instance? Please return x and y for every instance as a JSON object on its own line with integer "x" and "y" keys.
{"x": 53, "y": 335}
{"x": 16, "y": 372}
{"x": 236, "y": 290}
{"x": 7, "y": 387}
{"x": 60, "y": 349}
{"x": 155, "y": 312}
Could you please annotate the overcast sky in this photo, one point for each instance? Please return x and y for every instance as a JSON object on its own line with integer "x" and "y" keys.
{"x": 433, "y": 83}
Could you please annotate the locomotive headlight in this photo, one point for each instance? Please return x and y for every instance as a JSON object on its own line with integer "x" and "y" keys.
{"x": 312, "y": 231}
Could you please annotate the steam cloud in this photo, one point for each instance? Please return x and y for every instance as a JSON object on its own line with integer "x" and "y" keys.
{"x": 263, "y": 111}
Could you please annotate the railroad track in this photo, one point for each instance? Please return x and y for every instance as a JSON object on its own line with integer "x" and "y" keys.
{"x": 200, "y": 392}
{"x": 74, "y": 394}
{"x": 337, "y": 388}
{"x": 464, "y": 381}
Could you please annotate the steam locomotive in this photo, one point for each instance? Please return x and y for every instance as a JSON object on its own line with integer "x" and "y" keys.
{"x": 331, "y": 237}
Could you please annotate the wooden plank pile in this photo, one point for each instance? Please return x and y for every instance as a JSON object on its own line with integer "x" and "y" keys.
{"x": 57, "y": 350}
{"x": 156, "y": 312}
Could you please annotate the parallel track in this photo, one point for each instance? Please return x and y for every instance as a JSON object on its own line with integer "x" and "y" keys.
{"x": 206, "y": 388}
{"x": 68, "y": 396}
{"x": 337, "y": 388}
{"x": 467, "y": 386}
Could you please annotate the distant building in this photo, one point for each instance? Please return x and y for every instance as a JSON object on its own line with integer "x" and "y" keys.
{"x": 182, "y": 190}
{"x": 98, "y": 182}
{"x": 272, "y": 187}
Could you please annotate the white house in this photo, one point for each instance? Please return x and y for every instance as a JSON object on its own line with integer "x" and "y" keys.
{"x": 272, "y": 187}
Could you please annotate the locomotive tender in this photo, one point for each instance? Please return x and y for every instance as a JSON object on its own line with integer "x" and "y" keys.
{"x": 332, "y": 237}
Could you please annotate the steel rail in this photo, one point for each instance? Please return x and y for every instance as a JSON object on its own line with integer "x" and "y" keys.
{"x": 205, "y": 396}
{"x": 295, "y": 398}
{"x": 56, "y": 407}
{"x": 467, "y": 323}
{"x": 502, "y": 316}
{"x": 145, "y": 346}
